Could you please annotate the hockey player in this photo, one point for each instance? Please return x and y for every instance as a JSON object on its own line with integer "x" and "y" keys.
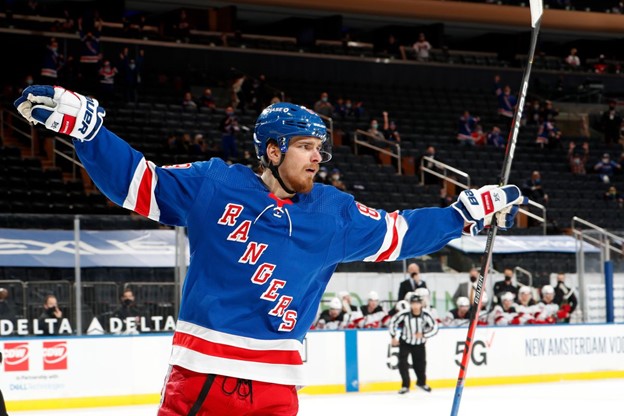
{"x": 504, "y": 313}
{"x": 333, "y": 317}
{"x": 460, "y": 315}
{"x": 263, "y": 248}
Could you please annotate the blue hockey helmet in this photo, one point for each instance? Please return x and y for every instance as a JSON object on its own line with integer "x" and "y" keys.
{"x": 283, "y": 121}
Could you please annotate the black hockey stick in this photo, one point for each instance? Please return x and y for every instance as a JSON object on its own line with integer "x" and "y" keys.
{"x": 536, "y": 19}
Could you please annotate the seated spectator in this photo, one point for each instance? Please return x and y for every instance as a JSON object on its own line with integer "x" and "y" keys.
{"x": 198, "y": 146}
{"x": 504, "y": 313}
{"x": 548, "y": 112}
{"x": 188, "y": 102}
{"x": 606, "y": 168}
{"x": 340, "y": 109}
{"x": 323, "y": 106}
{"x": 458, "y": 316}
{"x": 478, "y": 136}
{"x": 613, "y": 198}
{"x": 336, "y": 179}
{"x": 333, "y": 317}
{"x": 565, "y": 297}
{"x": 249, "y": 160}
{"x": 465, "y": 126}
{"x": 230, "y": 129}
{"x": 577, "y": 157}
{"x": 611, "y": 124}
{"x": 548, "y": 135}
{"x": 532, "y": 113}
{"x": 207, "y": 100}
{"x": 505, "y": 286}
{"x": 532, "y": 188}
{"x": 572, "y": 61}
{"x": 373, "y": 130}
{"x": 129, "y": 313}
{"x": 7, "y": 312}
{"x": 429, "y": 178}
{"x": 51, "y": 318}
{"x": 422, "y": 48}
{"x": 506, "y": 104}
{"x": 496, "y": 139}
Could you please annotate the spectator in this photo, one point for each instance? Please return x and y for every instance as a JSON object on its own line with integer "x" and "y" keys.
{"x": 107, "y": 74}
{"x": 600, "y": 66}
{"x": 532, "y": 188}
{"x": 390, "y": 129}
{"x": 548, "y": 135}
{"x": 373, "y": 130}
{"x": 333, "y": 317}
{"x": 611, "y": 123}
{"x": 392, "y": 49}
{"x": 412, "y": 283}
{"x": 467, "y": 289}
{"x": 416, "y": 326}
{"x": 606, "y": 168}
{"x": 52, "y": 63}
{"x": 322, "y": 176}
{"x": 229, "y": 130}
{"x": 51, "y": 318}
{"x": 248, "y": 160}
{"x": 6, "y": 309}
{"x": 323, "y": 106}
{"x": 565, "y": 297}
{"x": 90, "y": 55}
{"x": 198, "y": 147}
{"x": 572, "y": 61}
{"x": 131, "y": 73}
{"x": 505, "y": 312}
{"x": 422, "y": 48}
{"x": 428, "y": 178}
{"x": 613, "y": 197}
{"x": 506, "y": 104}
{"x": 548, "y": 112}
{"x": 577, "y": 157}
{"x": 188, "y": 102}
{"x": 336, "y": 179}
{"x": 465, "y": 126}
{"x": 458, "y": 316}
{"x": 182, "y": 27}
{"x": 445, "y": 199}
{"x": 340, "y": 109}
{"x": 129, "y": 313}
{"x": 532, "y": 113}
{"x": 207, "y": 100}
{"x": 478, "y": 136}
{"x": 504, "y": 286}
{"x": 495, "y": 138}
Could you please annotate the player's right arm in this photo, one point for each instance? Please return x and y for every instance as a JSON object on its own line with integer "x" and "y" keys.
{"x": 119, "y": 171}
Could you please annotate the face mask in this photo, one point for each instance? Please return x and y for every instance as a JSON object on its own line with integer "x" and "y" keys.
{"x": 127, "y": 302}
{"x": 348, "y": 105}
{"x": 54, "y": 49}
{"x": 605, "y": 160}
{"x": 473, "y": 279}
{"x": 132, "y": 66}
{"x": 323, "y": 175}
{"x": 335, "y": 177}
{"x": 507, "y": 278}
{"x": 374, "y": 126}
{"x": 50, "y": 311}
{"x": 29, "y": 81}
{"x": 229, "y": 113}
{"x": 324, "y": 99}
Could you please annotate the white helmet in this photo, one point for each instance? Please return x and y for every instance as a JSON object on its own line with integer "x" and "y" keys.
{"x": 507, "y": 296}
{"x": 343, "y": 293}
{"x": 524, "y": 289}
{"x": 423, "y": 292}
{"x": 372, "y": 295}
{"x": 548, "y": 290}
{"x": 462, "y": 301}
{"x": 408, "y": 296}
{"x": 484, "y": 297}
{"x": 335, "y": 303}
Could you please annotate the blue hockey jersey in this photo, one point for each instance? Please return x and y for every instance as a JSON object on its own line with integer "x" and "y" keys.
{"x": 259, "y": 264}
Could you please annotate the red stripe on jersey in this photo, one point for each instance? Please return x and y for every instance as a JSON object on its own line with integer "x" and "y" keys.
{"x": 488, "y": 206}
{"x": 144, "y": 196}
{"x": 68, "y": 123}
{"x": 236, "y": 353}
{"x": 395, "y": 239}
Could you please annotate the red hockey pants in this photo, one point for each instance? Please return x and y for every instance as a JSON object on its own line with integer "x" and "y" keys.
{"x": 187, "y": 393}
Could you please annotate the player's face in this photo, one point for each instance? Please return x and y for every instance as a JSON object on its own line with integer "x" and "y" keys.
{"x": 301, "y": 163}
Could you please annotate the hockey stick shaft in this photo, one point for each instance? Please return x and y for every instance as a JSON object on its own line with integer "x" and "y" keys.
{"x": 536, "y": 18}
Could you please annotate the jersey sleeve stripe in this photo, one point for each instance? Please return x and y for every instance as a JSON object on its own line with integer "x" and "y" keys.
{"x": 390, "y": 249}
{"x": 141, "y": 196}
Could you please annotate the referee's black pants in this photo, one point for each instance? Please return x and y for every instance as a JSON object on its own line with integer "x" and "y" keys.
{"x": 419, "y": 361}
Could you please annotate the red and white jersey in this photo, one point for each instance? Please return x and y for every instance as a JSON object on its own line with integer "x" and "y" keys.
{"x": 500, "y": 316}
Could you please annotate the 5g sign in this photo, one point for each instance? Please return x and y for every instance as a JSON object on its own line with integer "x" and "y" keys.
{"x": 478, "y": 354}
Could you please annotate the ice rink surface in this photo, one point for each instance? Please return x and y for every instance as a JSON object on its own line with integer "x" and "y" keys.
{"x": 599, "y": 397}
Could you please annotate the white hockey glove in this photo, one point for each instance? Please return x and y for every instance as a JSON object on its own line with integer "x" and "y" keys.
{"x": 478, "y": 207}
{"x": 61, "y": 110}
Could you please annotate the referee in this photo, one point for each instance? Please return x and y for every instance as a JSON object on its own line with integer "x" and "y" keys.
{"x": 410, "y": 329}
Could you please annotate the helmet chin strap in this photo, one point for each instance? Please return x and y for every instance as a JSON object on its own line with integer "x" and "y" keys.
{"x": 274, "y": 170}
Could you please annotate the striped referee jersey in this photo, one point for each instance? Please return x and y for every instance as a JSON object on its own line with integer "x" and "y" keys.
{"x": 410, "y": 324}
